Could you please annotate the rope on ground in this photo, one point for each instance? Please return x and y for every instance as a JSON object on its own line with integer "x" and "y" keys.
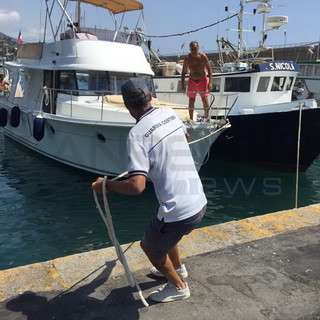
{"x": 108, "y": 222}
{"x": 191, "y": 31}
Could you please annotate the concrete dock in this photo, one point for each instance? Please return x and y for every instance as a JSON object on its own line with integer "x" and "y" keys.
{"x": 265, "y": 267}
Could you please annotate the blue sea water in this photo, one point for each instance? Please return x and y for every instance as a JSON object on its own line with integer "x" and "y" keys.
{"x": 47, "y": 209}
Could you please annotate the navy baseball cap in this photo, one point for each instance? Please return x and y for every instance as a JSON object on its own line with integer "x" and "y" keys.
{"x": 134, "y": 90}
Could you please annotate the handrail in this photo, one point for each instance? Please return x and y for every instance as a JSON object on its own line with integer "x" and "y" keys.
{"x": 214, "y": 95}
{"x": 48, "y": 101}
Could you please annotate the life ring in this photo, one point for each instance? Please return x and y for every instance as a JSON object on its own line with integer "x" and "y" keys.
{"x": 15, "y": 117}
{"x": 38, "y": 128}
{"x": 3, "y": 117}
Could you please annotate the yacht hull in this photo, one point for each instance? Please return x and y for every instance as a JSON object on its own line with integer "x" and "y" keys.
{"x": 87, "y": 146}
{"x": 271, "y": 139}
{"x": 98, "y": 147}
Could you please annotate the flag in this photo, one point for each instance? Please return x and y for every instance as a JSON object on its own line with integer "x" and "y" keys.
{"x": 310, "y": 49}
{"x": 19, "y": 37}
{"x": 182, "y": 46}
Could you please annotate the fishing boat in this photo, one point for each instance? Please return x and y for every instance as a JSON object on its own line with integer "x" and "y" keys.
{"x": 65, "y": 99}
{"x": 308, "y": 81}
{"x": 267, "y": 126}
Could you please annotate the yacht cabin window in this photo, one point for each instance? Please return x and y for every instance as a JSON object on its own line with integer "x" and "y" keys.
{"x": 89, "y": 81}
{"x": 20, "y": 84}
{"x": 278, "y": 83}
{"x": 309, "y": 71}
{"x": 303, "y": 70}
{"x": 263, "y": 84}
{"x": 216, "y": 84}
{"x": 67, "y": 80}
{"x": 149, "y": 81}
{"x": 290, "y": 83}
{"x": 317, "y": 71}
{"x": 116, "y": 79}
{"x": 99, "y": 82}
{"x": 237, "y": 84}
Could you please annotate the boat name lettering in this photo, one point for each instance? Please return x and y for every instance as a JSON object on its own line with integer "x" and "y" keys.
{"x": 281, "y": 66}
{"x": 157, "y": 125}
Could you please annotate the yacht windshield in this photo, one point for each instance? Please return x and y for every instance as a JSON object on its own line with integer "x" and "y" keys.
{"x": 106, "y": 82}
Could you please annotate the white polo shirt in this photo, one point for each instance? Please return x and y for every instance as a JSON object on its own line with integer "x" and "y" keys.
{"x": 158, "y": 149}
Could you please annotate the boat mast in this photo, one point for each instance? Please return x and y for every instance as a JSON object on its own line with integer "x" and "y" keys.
{"x": 240, "y": 30}
{"x": 66, "y": 14}
{"x": 241, "y": 45}
{"x": 79, "y": 14}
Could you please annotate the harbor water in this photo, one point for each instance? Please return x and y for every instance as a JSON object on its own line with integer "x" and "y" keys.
{"x": 47, "y": 209}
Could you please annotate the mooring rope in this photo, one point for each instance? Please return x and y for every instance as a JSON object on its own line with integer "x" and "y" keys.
{"x": 208, "y": 135}
{"x": 108, "y": 222}
{"x": 298, "y": 155}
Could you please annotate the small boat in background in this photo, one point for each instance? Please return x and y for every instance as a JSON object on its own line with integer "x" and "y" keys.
{"x": 267, "y": 126}
{"x": 65, "y": 100}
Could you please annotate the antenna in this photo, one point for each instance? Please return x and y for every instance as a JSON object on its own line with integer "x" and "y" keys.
{"x": 274, "y": 22}
{"x": 79, "y": 13}
{"x": 264, "y": 8}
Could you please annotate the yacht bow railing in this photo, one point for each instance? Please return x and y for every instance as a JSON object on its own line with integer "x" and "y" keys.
{"x": 220, "y": 105}
{"x": 50, "y": 100}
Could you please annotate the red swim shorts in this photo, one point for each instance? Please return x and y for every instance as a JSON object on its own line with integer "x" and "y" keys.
{"x": 198, "y": 85}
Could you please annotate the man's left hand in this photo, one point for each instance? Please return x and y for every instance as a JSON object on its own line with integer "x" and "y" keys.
{"x": 97, "y": 185}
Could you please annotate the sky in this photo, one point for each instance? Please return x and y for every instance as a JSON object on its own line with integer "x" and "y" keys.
{"x": 167, "y": 17}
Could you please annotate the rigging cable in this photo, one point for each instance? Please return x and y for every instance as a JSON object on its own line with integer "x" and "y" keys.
{"x": 191, "y": 31}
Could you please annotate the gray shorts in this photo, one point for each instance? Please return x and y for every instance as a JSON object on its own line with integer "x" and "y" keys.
{"x": 160, "y": 237}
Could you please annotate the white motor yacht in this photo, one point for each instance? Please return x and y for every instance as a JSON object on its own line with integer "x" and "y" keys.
{"x": 65, "y": 100}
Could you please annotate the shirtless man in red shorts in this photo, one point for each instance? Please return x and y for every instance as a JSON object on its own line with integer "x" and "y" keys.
{"x": 197, "y": 63}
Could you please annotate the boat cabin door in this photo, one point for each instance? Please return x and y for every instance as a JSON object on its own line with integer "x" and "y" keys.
{"x": 49, "y": 92}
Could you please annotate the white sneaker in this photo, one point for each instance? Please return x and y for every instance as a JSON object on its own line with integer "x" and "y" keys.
{"x": 182, "y": 272}
{"x": 169, "y": 292}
